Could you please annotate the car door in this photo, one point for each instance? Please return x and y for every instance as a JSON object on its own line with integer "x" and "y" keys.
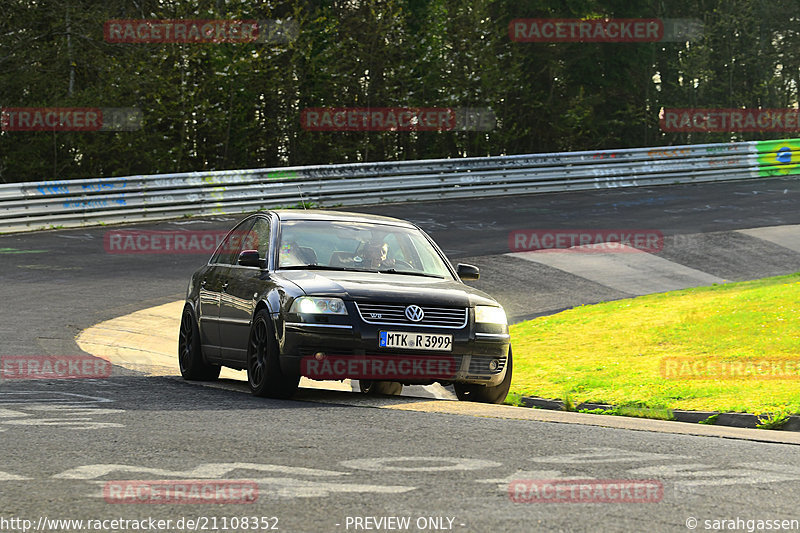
{"x": 213, "y": 283}
{"x": 240, "y": 295}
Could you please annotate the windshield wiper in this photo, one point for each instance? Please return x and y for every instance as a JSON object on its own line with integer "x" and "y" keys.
{"x": 322, "y": 267}
{"x": 409, "y": 273}
{"x": 349, "y": 269}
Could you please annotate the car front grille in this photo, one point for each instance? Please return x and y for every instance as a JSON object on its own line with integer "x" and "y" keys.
{"x": 394, "y": 315}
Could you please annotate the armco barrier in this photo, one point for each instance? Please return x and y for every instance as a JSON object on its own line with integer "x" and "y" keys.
{"x": 36, "y": 205}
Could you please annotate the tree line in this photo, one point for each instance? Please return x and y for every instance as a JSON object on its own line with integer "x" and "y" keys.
{"x": 230, "y": 105}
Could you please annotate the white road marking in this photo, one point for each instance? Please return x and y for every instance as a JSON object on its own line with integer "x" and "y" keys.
{"x": 209, "y": 470}
{"x": 382, "y": 464}
{"x": 75, "y": 416}
{"x": 785, "y": 468}
{"x": 287, "y": 487}
{"x": 68, "y": 423}
{"x": 71, "y": 410}
{"x": 684, "y": 477}
{"x": 504, "y": 482}
{"x": 22, "y": 397}
{"x": 786, "y": 236}
{"x": 5, "y": 476}
{"x": 9, "y": 413}
{"x": 631, "y": 271}
{"x": 606, "y": 455}
{"x": 698, "y": 474}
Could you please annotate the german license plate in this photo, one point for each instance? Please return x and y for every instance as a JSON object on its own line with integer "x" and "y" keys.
{"x": 415, "y": 341}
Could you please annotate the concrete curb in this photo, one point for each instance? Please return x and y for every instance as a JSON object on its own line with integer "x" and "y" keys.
{"x": 737, "y": 420}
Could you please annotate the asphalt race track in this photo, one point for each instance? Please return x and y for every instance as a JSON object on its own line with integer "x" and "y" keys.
{"x": 330, "y": 461}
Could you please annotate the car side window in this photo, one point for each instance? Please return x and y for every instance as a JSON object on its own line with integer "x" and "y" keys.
{"x": 259, "y": 237}
{"x": 228, "y": 251}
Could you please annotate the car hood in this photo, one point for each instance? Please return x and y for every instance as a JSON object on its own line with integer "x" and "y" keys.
{"x": 376, "y": 287}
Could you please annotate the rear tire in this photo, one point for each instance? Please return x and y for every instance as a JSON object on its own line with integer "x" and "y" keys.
{"x": 264, "y": 374}
{"x": 190, "y": 355}
{"x": 467, "y": 392}
{"x": 374, "y": 388}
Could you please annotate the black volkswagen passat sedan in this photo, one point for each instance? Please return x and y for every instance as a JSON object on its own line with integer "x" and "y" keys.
{"x": 332, "y": 295}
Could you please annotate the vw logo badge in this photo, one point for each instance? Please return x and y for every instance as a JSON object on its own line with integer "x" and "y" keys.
{"x": 414, "y": 313}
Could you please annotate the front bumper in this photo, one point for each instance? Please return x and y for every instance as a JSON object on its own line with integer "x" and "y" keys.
{"x": 478, "y": 357}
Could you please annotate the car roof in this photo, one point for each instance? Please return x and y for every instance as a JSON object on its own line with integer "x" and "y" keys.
{"x": 338, "y": 216}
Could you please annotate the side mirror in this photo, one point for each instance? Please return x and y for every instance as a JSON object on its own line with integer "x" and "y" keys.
{"x": 250, "y": 258}
{"x": 468, "y": 272}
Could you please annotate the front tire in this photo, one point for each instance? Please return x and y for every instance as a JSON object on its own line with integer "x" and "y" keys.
{"x": 373, "y": 388}
{"x": 190, "y": 355}
{"x": 264, "y": 374}
{"x": 467, "y": 392}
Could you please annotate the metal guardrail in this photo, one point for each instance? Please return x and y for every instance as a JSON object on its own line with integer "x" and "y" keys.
{"x": 37, "y": 205}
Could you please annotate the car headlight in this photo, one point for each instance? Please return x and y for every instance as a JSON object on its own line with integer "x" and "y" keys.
{"x": 489, "y": 314}
{"x": 318, "y": 306}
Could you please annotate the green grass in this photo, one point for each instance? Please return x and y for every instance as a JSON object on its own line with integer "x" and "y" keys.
{"x": 711, "y": 420}
{"x": 773, "y": 420}
{"x": 610, "y": 353}
{"x": 658, "y": 413}
{"x": 514, "y": 399}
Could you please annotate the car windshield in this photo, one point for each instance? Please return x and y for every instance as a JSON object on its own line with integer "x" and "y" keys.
{"x": 359, "y": 246}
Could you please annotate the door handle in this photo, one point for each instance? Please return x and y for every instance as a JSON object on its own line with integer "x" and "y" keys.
{"x": 224, "y": 286}
{"x": 203, "y": 283}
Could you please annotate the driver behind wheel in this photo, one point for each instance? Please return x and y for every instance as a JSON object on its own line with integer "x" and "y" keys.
{"x": 375, "y": 253}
